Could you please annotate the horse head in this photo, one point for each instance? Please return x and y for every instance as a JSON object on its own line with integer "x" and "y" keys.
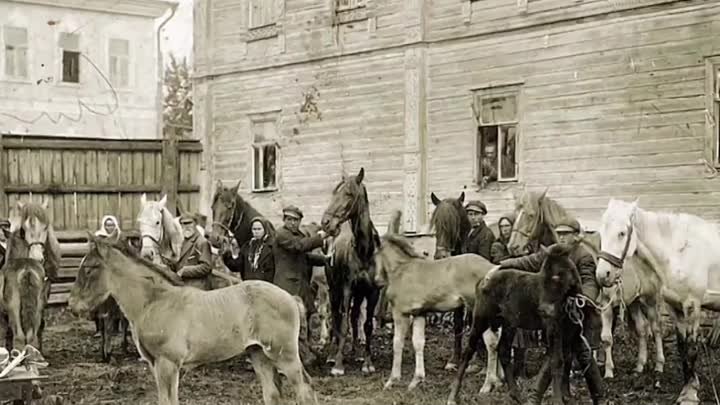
{"x": 451, "y": 225}
{"x": 35, "y": 229}
{"x": 560, "y": 277}
{"x": 349, "y": 200}
{"x": 617, "y": 240}
{"x": 529, "y": 221}
{"x": 224, "y": 206}
{"x": 91, "y": 287}
{"x": 159, "y": 230}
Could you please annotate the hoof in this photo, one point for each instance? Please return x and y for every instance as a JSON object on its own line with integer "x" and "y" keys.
{"x": 390, "y": 382}
{"x": 337, "y": 372}
{"x": 330, "y": 361}
{"x": 416, "y": 381}
{"x": 368, "y": 369}
{"x": 451, "y": 367}
{"x": 609, "y": 375}
{"x": 473, "y": 368}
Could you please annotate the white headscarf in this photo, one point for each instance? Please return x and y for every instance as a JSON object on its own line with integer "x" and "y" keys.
{"x": 102, "y": 231}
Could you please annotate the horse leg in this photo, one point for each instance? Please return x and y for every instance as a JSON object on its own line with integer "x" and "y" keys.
{"x": 556, "y": 361}
{"x": 418, "y": 339}
{"x": 504, "y": 352}
{"x": 15, "y": 323}
{"x": 479, "y": 325}
{"x": 459, "y": 325}
{"x": 336, "y": 322}
{"x": 402, "y": 323}
{"x": 167, "y": 375}
{"x": 691, "y": 323}
{"x": 354, "y": 320}
{"x": 339, "y": 368}
{"x": 106, "y": 337}
{"x": 606, "y": 337}
{"x": 653, "y": 318}
{"x": 265, "y": 371}
{"x": 372, "y": 300}
{"x": 494, "y": 371}
{"x": 641, "y": 328}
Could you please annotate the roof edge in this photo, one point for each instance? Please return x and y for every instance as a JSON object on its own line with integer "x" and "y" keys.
{"x": 143, "y": 8}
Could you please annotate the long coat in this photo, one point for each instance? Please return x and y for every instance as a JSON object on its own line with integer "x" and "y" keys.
{"x": 195, "y": 262}
{"x": 242, "y": 264}
{"x": 293, "y": 262}
{"x": 479, "y": 241}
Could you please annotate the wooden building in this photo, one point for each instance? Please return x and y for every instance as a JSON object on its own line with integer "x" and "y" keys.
{"x": 590, "y": 98}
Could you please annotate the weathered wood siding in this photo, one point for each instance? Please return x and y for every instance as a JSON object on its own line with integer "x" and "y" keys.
{"x": 85, "y": 179}
{"x": 360, "y": 101}
{"x": 611, "y": 106}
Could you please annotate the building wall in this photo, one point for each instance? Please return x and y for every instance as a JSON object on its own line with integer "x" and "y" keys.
{"x": 42, "y": 104}
{"x": 613, "y": 100}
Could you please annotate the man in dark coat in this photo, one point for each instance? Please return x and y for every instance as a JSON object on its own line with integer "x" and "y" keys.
{"x": 481, "y": 238}
{"x": 194, "y": 265}
{"x": 567, "y": 231}
{"x": 293, "y": 260}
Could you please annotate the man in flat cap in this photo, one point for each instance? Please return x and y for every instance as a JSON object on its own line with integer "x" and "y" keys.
{"x": 194, "y": 265}
{"x": 567, "y": 230}
{"x": 481, "y": 238}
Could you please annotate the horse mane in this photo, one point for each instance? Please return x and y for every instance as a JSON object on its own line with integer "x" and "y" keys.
{"x": 365, "y": 236}
{"x": 551, "y": 210}
{"x": 51, "y": 245}
{"x": 124, "y": 248}
{"x": 451, "y": 223}
{"x": 402, "y": 245}
{"x": 242, "y": 216}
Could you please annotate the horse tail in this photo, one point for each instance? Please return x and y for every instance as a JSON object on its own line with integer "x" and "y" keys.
{"x": 29, "y": 301}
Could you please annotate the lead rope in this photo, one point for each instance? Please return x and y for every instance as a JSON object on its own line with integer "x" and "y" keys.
{"x": 573, "y": 308}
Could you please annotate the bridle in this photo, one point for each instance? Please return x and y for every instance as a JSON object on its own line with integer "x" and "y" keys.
{"x": 145, "y": 235}
{"x": 615, "y": 261}
{"x": 231, "y": 232}
{"x": 342, "y": 218}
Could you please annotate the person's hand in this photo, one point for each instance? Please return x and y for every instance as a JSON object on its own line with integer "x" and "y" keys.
{"x": 491, "y": 272}
{"x": 322, "y": 234}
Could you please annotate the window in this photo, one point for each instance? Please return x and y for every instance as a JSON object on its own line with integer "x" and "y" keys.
{"x": 70, "y": 45}
{"x": 16, "y": 51}
{"x": 496, "y": 111}
{"x": 119, "y": 61}
{"x": 342, "y": 5}
{"x": 716, "y": 112}
{"x": 712, "y": 111}
{"x": 262, "y": 13}
{"x": 265, "y": 152}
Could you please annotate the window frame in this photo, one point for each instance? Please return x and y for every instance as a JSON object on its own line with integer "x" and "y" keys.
{"x": 76, "y": 51}
{"x": 26, "y": 47}
{"x": 495, "y": 91}
{"x": 712, "y": 111}
{"x": 128, "y": 62}
{"x": 260, "y": 119}
{"x": 265, "y": 22}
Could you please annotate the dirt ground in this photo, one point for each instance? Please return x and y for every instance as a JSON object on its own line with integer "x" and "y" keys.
{"x": 77, "y": 374}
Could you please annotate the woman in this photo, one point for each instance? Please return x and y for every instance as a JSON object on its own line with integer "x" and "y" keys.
{"x": 110, "y": 228}
{"x": 254, "y": 260}
{"x": 499, "y": 250}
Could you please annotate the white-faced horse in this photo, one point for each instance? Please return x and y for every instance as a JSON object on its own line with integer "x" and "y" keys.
{"x": 684, "y": 250}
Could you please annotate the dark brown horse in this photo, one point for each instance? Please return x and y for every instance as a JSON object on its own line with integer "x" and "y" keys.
{"x": 452, "y": 226}
{"x": 351, "y": 277}
{"x": 232, "y": 215}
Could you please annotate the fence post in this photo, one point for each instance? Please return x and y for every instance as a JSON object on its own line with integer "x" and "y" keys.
{"x": 170, "y": 167}
{"x": 3, "y": 169}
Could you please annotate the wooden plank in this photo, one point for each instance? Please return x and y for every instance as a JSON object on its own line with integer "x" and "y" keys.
{"x": 35, "y": 142}
{"x": 58, "y": 299}
{"x": 59, "y": 288}
{"x": 3, "y": 177}
{"x": 54, "y": 189}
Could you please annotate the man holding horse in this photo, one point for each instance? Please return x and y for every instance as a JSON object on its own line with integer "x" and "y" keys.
{"x": 568, "y": 230}
{"x": 195, "y": 262}
{"x": 481, "y": 237}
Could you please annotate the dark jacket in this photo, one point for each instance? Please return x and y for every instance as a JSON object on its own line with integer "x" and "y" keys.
{"x": 3, "y": 253}
{"x": 243, "y": 264}
{"x": 195, "y": 262}
{"x": 293, "y": 262}
{"x": 499, "y": 252}
{"x": 580, "y": 256}
{"x": 479, "y": 241}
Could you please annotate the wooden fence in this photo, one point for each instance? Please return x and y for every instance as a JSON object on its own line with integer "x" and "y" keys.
{"x": 84, "y": 179}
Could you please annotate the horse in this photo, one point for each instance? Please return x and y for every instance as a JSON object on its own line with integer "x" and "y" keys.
{"x": 517, "y": 299}
{"x": 162, "y": 238}
{"x": 172, "y": 329}
{"x": 351, "y": 274}
{"x": 638, "y": 289}
{"x": 232, "y": 217}
{"x": 683, "y": 251}
{"x": 416, "y": 286}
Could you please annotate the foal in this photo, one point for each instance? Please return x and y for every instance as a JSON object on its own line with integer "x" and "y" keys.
{"x": 514, "y": 299}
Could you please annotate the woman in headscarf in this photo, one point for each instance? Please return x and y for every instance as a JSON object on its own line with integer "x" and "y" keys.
{"x": 109, "y": 228}
{"x": 254, "y": 260}
{"x": 499, "y": 250}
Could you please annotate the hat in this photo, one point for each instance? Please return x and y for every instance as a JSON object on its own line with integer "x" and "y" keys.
{"x": 187, "y": 218}
{"x": 4, "y": 222}
{"x": 476, "y": 206}
{"x": 292, "y": 211}
{"x": 568, "y": 225}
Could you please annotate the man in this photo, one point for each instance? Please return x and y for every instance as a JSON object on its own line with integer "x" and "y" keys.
{"x": 489, "y": 164}
{"x": 293, "y": 260}
{"x": 4, "y": 233}
{"x": 481, "y": 238}
{"x": 567, "y": 231}
{"x": 194, "y": 265}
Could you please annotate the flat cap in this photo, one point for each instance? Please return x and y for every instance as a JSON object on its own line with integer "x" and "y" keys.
{"x": 292, "y": 211}
{"x": 477, "y": 206}
{"x": 4, "y": 222}
{"x": 187, "y": 218}
{"x": 567, "y": 224}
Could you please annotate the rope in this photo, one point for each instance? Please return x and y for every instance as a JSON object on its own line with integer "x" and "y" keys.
{"x": 573, "y": 308}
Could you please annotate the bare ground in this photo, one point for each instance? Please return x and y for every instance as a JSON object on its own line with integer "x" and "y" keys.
{"x": 77, "y": 374}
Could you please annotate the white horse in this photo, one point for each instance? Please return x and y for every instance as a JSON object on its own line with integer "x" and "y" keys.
{"x": 684, "y": 251}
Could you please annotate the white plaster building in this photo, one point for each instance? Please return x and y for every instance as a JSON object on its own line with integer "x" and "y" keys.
{"x": 83, "y": 68}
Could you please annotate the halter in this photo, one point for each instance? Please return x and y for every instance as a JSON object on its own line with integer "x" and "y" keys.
{"x": 615, "y": 261}
{"x": 228, "y": 231}
{"x": 152, "y": 238}
{"x": 353, "y": 208}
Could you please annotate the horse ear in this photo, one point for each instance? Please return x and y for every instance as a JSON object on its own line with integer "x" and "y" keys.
{"x": 45, "y": 204}
{"x": 544, "y": 193}
{"x": 143, "y": 199}
{"x": 461, "y": 199}
{"x": 435, "y": 199}
{"x": 360, "y": 176}
{"x": 237, "y": 187}
{"x": 163, "y": 200}
{"x": 20, "y": 204}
